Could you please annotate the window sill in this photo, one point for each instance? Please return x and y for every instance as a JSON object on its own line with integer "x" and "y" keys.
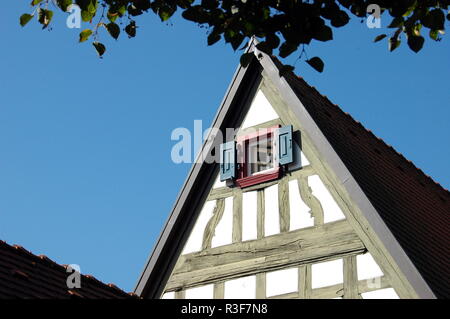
{"x": 265, "y": 176}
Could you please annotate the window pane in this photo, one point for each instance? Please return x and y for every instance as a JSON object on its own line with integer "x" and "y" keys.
{"x": 259, "y": 155}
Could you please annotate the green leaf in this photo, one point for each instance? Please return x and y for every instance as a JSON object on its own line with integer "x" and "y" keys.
{"x": 316, "y": 63}
{"x": 272, "y": 40}
{"x": 165, "y": 13}
{"x": 113, "y": 30}
{"x": 246, "y": 58}
{"x": 434, "y": 20}
{"x": 229, "y": 35}
{"x": 325, "y": 34}
{"x": 346, "y": 3}
{"x": 415, "y": 43}
{"x": 45, "y": 17}
{"x": 122, "y": 10}
{"x": 86, "y": 16}
{"x": 213, "y": 37}
{"x": 35, "y": 2}
{"x": 396, "y": 22}
{"x": 210, "y": 4}
{"x": 394, "y": 43}
{"x": 379, "y": 37}
{"x": 112, "y": 16}
{"x": 265, "y": 47}
{"x": 196, "y": 14}
{"x": 434, "y": 34}
{"x": 49, "y": 15}
{"x": 64, "y": 4}
{"x": 130, "y": 29}
{"x": 236, "y": 41}
{"x": 184, "y": 4}
{"x": 340, "y": 19}
{"x": 410, "y": 10}
{"x": 285, "y": 69}
{"x": 85, "y": 34}
{"x": 416, "y": 29}
{"x": 92, "y": 7}
{"x": 286, "y": 49}
{"x": 25, "y": 18}
{"x": 100, "y": 48}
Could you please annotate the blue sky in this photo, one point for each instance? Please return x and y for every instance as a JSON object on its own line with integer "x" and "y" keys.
{"x": 85, "y": 170}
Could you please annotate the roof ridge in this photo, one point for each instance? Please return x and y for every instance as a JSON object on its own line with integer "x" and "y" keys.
{"x": 388, "y": 146}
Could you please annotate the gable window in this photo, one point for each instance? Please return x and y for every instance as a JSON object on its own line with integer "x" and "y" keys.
{"x": 260, "y": 155}
{"x": 257, "y": 157}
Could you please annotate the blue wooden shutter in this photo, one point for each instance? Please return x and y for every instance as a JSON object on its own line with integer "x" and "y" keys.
{"x": 285, "y": 153}
{"x": 227, "y": 160}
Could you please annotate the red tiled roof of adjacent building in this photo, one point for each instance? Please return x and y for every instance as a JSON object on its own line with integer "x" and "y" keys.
{"x": 414, "y": 207}
{"x": 25, "y": 275}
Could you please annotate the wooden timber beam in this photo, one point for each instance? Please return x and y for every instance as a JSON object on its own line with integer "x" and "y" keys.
{"x": 337, "y": 291}
{"x": 290, "y": 249}
{"x": 225, "y": 191}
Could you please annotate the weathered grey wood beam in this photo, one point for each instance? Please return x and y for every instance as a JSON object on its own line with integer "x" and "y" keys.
{"x": 212, "y": 223}
{"x": 260, "y": 213}
{"x": 310, "y": 200}
{"x": 219, "y": 290}
{"x": 314, "y": 244}
{"x": 283, "y": 204}
{"x": 255, "y": 128}
{"x": 237, "y": 216}
{"x": 261, "y": 286}
{"x": 350, "y": 278}
{"x": 337, "y": 291}
{"x": 180, "y": 294}
{"x": 220, "y": 192}
{"x": 223, "y": 192}
{"x": 304, "y": 282}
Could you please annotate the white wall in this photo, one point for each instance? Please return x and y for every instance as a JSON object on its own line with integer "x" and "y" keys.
{"x": 169, "y": 295}
{"x": 223, "y": 234}
{"x": 331, "y": 210}
{"x": 218, "y": 183}
{"x": 367, "y": 267}
{"x": 300, "y": 216}
{"x": 327, "y": 273}
{"x": 194, "y": 243}
{"x": 203, "y": 292}
{"x": 300, "y": 159}
{"x": 281, "y": 282}
{"x": 249, "y": 216}
{"x": 388, "y": 293}
{"x": 241, "y": 288}
{"x": 272, "y": 215}
{"x": 260, "y": 111}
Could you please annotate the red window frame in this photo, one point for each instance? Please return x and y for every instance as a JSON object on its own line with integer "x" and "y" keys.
{"x": 243, "y": 180}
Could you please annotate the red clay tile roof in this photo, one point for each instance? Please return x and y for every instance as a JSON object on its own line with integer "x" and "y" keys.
{"x": 414, "y": 207}
{"x": 25, "y": 275}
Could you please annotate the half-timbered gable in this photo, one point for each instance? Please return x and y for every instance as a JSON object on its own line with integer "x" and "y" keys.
{"x": 299, "y": 225}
